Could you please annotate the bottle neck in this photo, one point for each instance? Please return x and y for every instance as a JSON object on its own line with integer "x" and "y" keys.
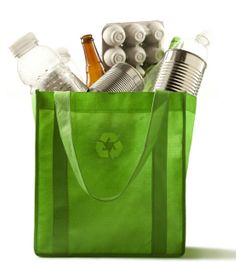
{"x": 90, "y": 52}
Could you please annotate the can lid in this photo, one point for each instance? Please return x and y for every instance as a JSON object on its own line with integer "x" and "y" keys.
{"x": 24, "y": 44}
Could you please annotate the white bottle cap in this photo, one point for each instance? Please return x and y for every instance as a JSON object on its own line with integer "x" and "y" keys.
{"x": 114, "y": 55}
{"x": 203, "y": 38}
{"x": 114, "y": 35}
{"x": 24, "y": 44}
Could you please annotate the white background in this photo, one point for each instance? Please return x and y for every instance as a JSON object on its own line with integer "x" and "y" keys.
{"x": 211, "y": 181}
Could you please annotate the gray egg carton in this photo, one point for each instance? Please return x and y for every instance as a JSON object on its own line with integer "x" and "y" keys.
{"x": 138, "y": 43}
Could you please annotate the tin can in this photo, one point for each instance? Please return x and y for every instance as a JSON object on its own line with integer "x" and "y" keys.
{"x": 181, "y": 71}
{"x": 122, "y": 77}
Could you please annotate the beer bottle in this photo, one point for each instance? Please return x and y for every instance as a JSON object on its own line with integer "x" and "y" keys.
{"x": 94, "y": 66}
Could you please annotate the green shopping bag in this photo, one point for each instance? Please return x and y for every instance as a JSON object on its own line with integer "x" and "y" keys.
{"x": 110, "y": 173}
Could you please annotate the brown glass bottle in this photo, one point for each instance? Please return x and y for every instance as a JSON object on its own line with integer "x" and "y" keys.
{"x": 94, "y": 66}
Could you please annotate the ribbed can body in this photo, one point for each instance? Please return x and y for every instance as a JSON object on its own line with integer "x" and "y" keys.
{"x": 122, "y": 77}
{"x": 180, "y": 70}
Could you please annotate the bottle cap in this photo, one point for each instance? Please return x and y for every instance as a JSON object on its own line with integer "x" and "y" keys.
{"x": 24, "y": 44}
{"x": 86, "y": 38}
{"x": 176, "y": 43}
{"x": 203, "y": 38}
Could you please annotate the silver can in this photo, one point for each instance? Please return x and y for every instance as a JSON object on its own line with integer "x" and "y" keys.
{"x": 180, "y": 71}
{"x": 122, "y": 77}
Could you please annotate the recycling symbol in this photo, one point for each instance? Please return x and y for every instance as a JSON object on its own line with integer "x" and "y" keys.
{"x": 109, "y": 146}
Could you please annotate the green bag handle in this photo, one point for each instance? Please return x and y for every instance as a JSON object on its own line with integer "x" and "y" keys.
{"x": 62, "y": 108}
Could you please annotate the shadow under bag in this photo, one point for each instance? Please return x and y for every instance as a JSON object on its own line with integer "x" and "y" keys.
{"x": 110, "y": 173}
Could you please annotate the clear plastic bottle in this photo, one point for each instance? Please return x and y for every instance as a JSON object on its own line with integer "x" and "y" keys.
{"x": 69, "y": 62}
{"x": 198, "y": 45}
{"x": 42, "y": 68}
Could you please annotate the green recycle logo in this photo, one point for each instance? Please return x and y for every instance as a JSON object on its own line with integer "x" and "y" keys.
{"x": 109, "y": 146}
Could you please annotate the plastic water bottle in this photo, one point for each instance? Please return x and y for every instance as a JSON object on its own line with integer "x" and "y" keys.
{"x": 42, "y": 68}
{"x": 68, "y": 61}
{"x": 182, "y": 68}
{"x": 198, "y": 46}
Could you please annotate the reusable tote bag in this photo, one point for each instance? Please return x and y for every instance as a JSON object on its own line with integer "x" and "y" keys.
{"x": 110, "y": 173}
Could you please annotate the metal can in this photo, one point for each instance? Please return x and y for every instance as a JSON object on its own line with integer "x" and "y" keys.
{"x": 122, "y": 77}
{"x": 181, "y": 71}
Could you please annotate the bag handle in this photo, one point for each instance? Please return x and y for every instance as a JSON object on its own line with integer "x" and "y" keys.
{"x": 63, "y": 116}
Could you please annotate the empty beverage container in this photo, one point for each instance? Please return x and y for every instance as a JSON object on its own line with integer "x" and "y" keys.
{"x": 67, "y": 60}
{"x": 94, "y": 65}
{"x": 182, "y": 69}
{"x": 41, "y": 68}
{"x": 122, "y": 77}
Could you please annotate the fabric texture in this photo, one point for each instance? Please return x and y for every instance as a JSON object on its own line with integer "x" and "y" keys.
{"x": 110, "y": 173}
